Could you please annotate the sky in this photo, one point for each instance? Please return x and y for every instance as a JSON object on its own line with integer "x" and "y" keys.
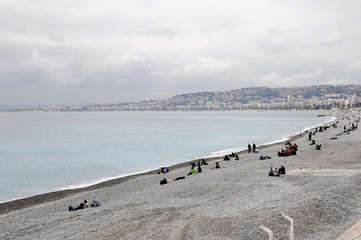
{"x": 59, "y": 52}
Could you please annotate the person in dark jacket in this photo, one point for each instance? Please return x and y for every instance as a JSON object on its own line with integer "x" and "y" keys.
{"x": 282, "y": 170}
{"x": 81, "y": 206}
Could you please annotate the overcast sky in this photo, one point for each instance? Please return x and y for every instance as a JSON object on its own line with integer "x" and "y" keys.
{"x": 80, "y": 52}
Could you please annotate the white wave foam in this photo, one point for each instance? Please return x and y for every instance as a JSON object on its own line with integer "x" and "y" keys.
{"x": 224, "y": 152}
{"x": 93, "y": 182}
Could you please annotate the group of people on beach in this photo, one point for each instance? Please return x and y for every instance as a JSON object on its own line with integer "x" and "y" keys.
{"x": 290, "y": 149}
{"x": 277, "y": 172}
{"x": 84, "y": 204}
{"x": 231, "y": 156}
{"x": 193, "y": 171}
{"x": 252, "y": 148}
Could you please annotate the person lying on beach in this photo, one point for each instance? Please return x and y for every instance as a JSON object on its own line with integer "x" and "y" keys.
{"x": 264, "y": 157}
{"x": 218, "y": 165}
{"x": 165, "y": 181}
{"x": 95, "y": 201}
{"x": 193, "y": 171}
{"x": 81, "y": 206}
{"x": 272, "y": 173}
{"x": 204, "y": 162}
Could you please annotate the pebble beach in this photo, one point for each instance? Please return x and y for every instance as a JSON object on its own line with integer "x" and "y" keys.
{"x": 321, "y": 191}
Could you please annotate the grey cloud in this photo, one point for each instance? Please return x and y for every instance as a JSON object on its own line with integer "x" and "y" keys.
{"x": 65, "y": 51}
{"x": 162, "y": 30}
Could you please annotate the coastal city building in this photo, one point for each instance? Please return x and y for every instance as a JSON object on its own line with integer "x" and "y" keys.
{"x": 257, "y": 98}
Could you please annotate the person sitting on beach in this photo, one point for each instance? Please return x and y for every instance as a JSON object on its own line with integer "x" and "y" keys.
{"x": 165, "y": 181}
{"x": 281, "y": 170}
{"x": 226, "y": 158}
{"x": 161, "y": 171}
{"x": 272, "y": 173}
{"x": 236, "y": 157}
{"x": 292, "y": 151}
{"x": 199, "y": 169}
{"x": 218, "y": 165}
{"x": 95, "y": 201}
{"x": 81, "y": 206}
{"x": 193, "y": 171}
{"x": 204, "y": 162}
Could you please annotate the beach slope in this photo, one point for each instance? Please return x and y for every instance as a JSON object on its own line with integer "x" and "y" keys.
{"x": 321, "y": 191}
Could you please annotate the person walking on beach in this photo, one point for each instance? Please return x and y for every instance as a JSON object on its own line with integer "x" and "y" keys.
{"x": 249, "y": 148}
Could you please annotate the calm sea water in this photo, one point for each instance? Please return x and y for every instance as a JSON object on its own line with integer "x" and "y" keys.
{"x": 43, "y": 152}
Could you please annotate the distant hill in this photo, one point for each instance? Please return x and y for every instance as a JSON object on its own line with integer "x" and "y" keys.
{"x": 308, "y": 97}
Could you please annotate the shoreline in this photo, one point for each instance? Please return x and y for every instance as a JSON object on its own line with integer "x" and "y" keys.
{"x": 17, "y": 204}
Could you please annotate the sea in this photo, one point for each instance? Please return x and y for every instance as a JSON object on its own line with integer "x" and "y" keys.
{"x": 41, "y": 152}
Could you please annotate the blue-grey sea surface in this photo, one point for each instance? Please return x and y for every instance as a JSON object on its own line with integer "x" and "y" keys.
{"x": 46, "y": 151}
